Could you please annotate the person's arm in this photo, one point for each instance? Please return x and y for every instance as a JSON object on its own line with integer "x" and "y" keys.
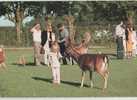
{"x": 66, "y": 36}
{"x": 53, "y": 37}
{"x": 33, "y": 28}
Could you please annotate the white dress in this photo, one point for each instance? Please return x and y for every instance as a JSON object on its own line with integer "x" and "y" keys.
{"x": 54, "y": 59}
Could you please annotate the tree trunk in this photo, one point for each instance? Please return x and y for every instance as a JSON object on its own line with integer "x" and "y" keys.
{"x": 18, "y": 32}
{"x": 18, "y": 25}
{"x": 70, "y": 21}
{"x": 130, "y": 18}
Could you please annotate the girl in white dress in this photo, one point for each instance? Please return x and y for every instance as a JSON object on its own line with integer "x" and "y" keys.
{"x": 54, "y": 56}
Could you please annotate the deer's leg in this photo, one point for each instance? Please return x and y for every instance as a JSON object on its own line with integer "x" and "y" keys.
{"x": 82, "y": 78}
{"x": 105, "y": 77}
{"x": 72, "y": 61}
{"x": 91, "y": 81}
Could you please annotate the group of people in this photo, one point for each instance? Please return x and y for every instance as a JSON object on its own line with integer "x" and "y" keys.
{"x": 46, "y": 48}
{"x": 126, "y": 39}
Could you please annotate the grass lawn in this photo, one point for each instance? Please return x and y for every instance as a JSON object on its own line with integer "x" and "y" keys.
{"x": 32, "y": 81}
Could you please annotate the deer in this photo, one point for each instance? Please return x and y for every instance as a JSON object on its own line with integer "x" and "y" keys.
{"x": 81, "y": 48}
{"x": 90, "y": 62}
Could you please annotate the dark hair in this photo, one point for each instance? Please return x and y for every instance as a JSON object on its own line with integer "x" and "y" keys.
{"x": 60, "y": 25}
{"x": 126, "y": 33}
{"x": 46, "y": 18}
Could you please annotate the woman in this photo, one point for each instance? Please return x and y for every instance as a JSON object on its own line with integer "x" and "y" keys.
{"x": 134, "y": 37}
{"x": 47, "y": 37}
{"x": 129, "y": 41}
{"x": 36, "y": 43}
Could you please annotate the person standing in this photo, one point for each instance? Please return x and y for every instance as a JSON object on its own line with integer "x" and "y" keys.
{"x": 36, "y": 43}
{"x": 129, "y": 41}
{"x": 120, "y": 40}
{"x": 47, "y": 38}
{"x": 62, "y": 40}
{"x": 54, "y": 56}
{"x": 134, "y": 39}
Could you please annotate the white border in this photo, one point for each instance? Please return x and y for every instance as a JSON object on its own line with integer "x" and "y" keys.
{"x": 72, "y": 98}
{"x": 66, "y": 98}
{"x": 63, "y": 0}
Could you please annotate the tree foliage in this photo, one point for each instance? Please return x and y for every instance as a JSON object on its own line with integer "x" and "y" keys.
{"x": 86, "y": 13}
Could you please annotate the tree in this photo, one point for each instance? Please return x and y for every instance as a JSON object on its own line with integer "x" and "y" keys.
{"x": 17, "y": 11}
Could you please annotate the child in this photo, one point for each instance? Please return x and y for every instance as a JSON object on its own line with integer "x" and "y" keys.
{"x": 54, "y": 56}
{"x": 2, "y": 57}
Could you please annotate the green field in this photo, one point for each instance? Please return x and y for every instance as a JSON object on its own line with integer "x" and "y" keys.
{"x": 33, "y": 81}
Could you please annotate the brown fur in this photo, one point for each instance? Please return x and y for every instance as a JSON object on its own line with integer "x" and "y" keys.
{"x": 91, "y": 62}
{"x": 22, "y": 60}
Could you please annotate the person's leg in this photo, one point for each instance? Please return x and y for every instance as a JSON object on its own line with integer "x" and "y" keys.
{"x": 34, "y": 46}
{"x": 119, "y": 48}
{"x": 133, "y": 53}
{"x": 58, "y": 74}
{"x": 124, "y": 45}
{"x": 61, "y": 48}
{"x": 53, "y": 73}
{"x": 37, "y": 53}
{"x": 63, "y": 53}
{"x": 46, "y": 48}
{"x": 45, "y": 58}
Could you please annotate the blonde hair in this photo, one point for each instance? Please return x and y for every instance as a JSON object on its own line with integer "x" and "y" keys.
{"x": 48, "y": 26}
{"x": 55, "y": 47}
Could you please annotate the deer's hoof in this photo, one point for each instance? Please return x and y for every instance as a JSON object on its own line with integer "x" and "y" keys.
{"x": 91, "y": 86}
{"x": 104, "y": 89}
{"x": 81, "y": 86}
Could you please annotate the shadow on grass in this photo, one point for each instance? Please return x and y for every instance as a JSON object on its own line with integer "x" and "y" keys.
{"x": 27, "y": 64}
{"x": 42, "y": 79}
{"x": 75, "y": 84}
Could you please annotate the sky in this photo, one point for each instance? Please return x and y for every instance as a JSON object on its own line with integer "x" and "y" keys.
{"x": 6, "y": 23}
